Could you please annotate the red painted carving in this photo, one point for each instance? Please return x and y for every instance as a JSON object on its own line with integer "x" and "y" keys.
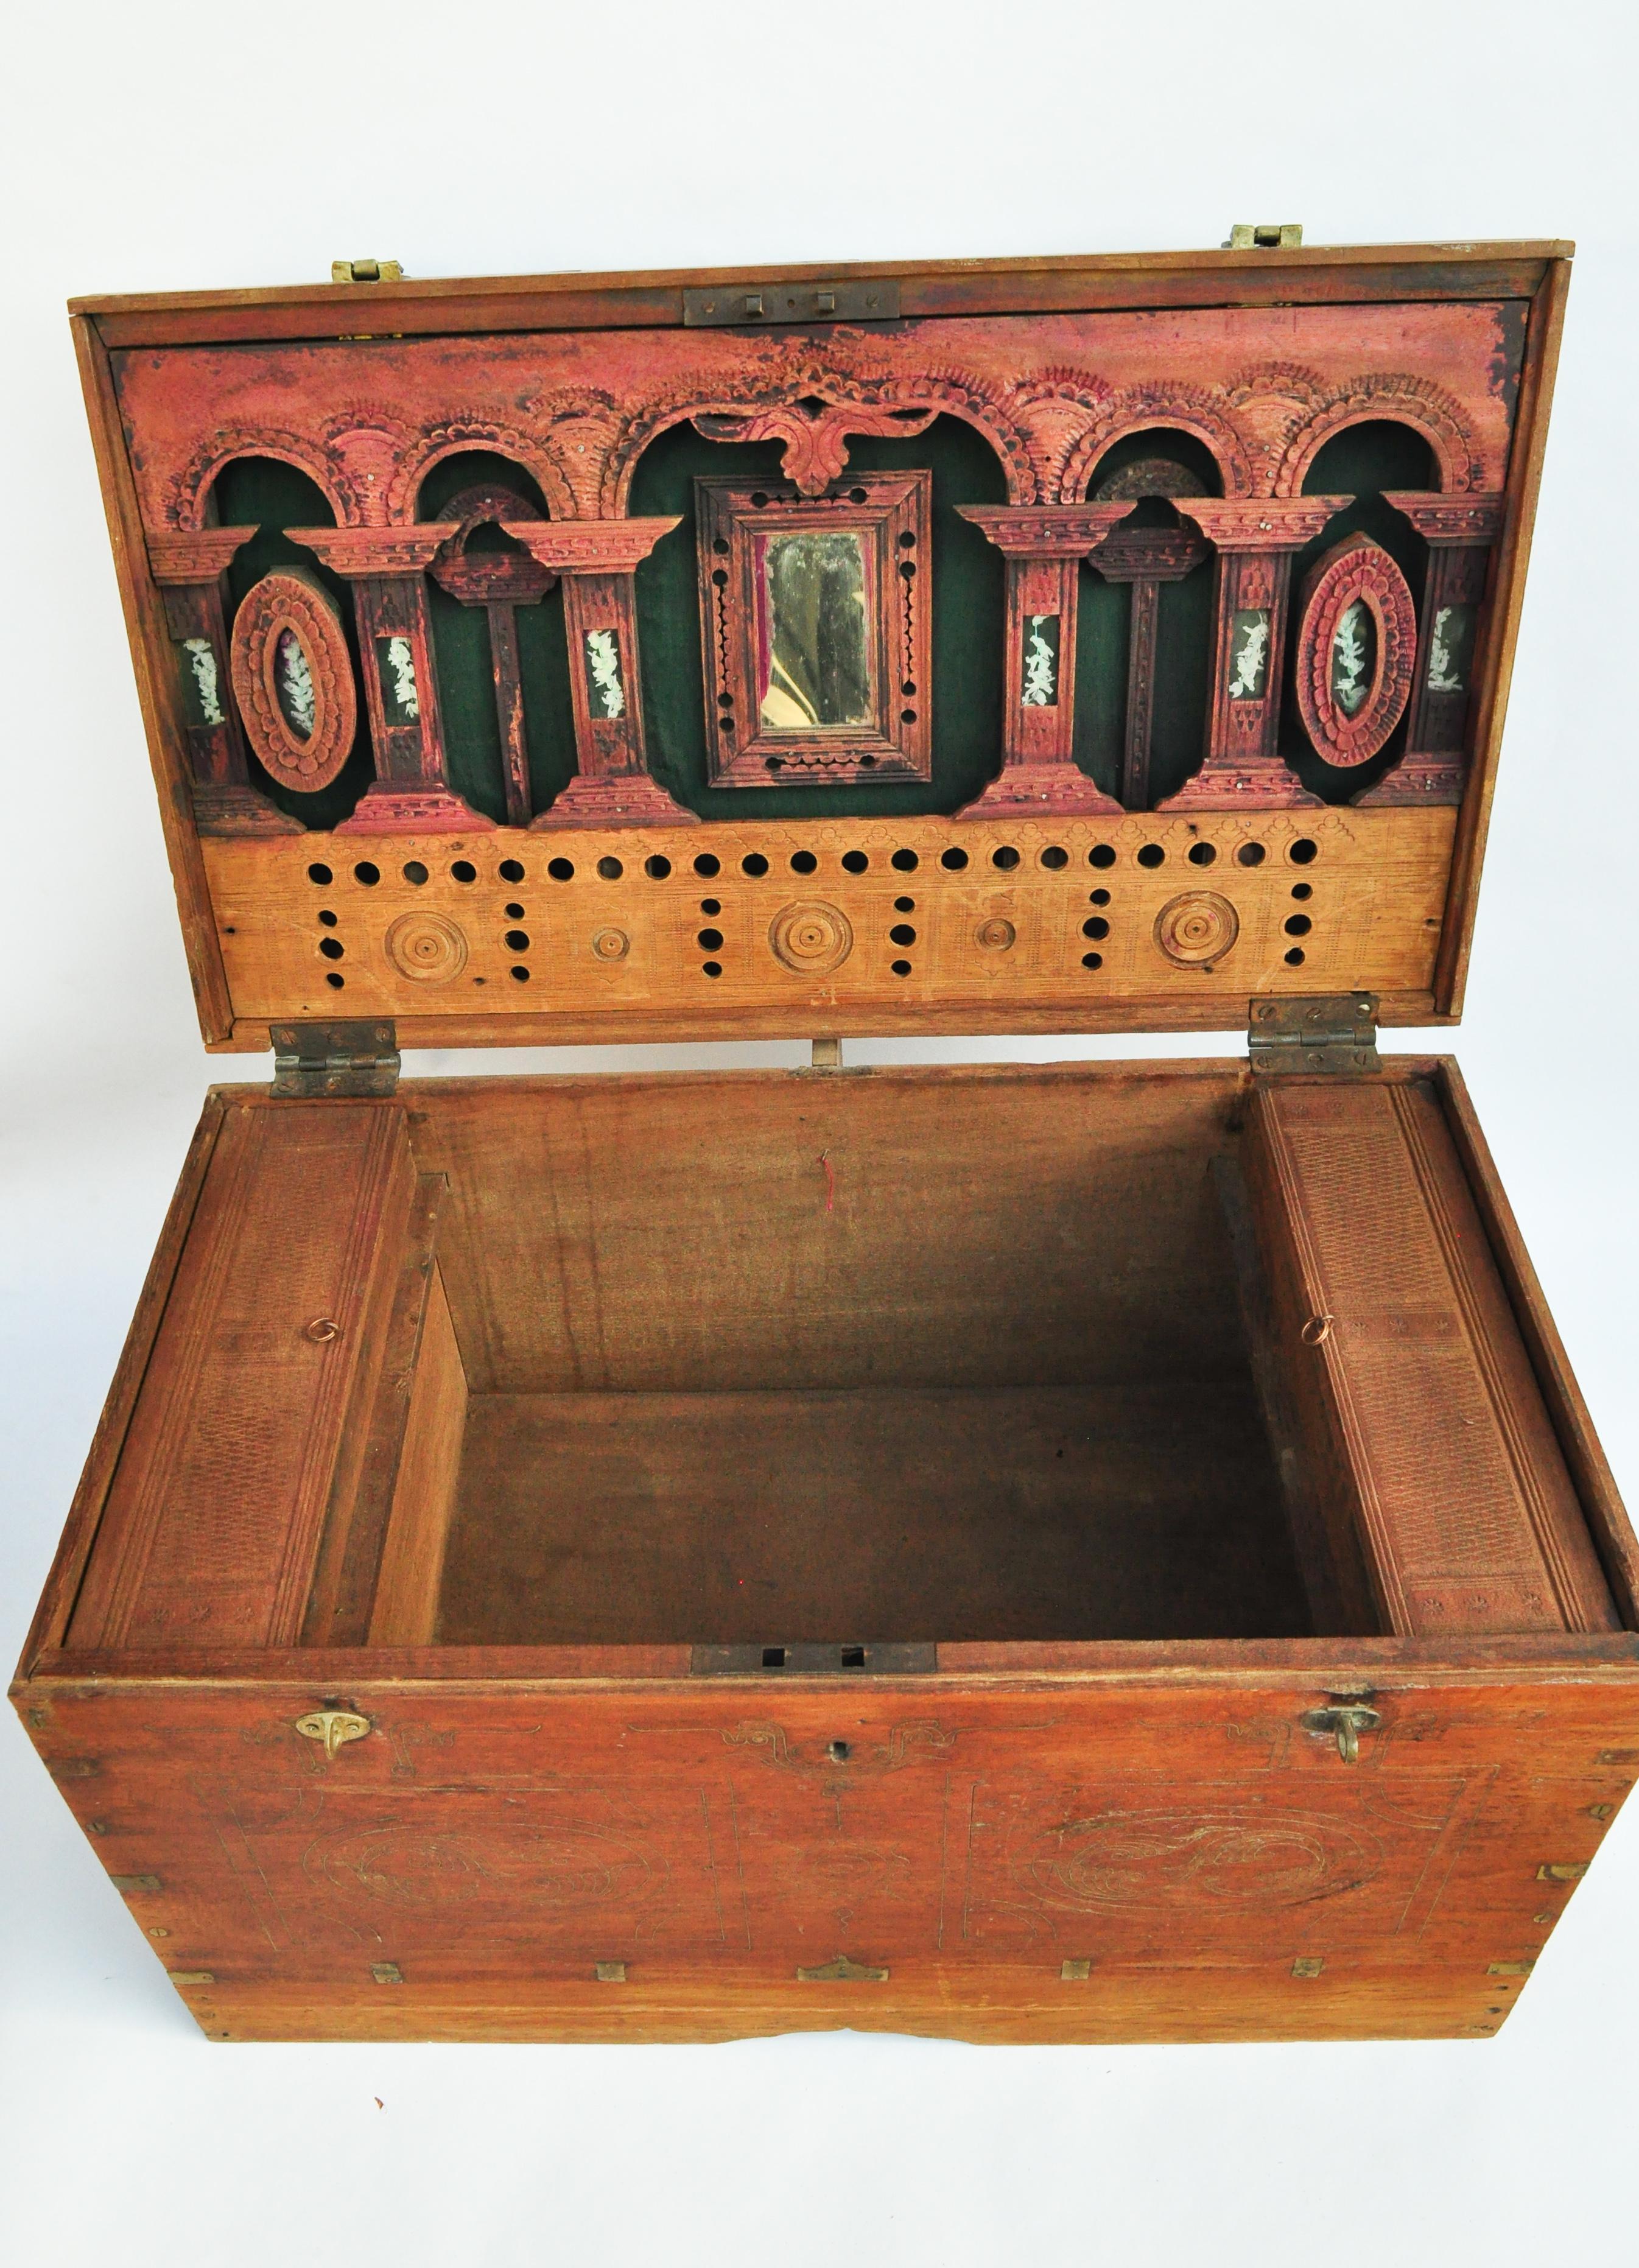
{"x": 500, "y": 582}
{"x": 1044, "y": 546}
{"x": 1255, "y": 539}
{"x": 299, "y": 714}
{"x": 599, "y": 560}
{"x": 1199, "y": 411}
{"x": 1419, "y": 402}
{"x": 891, "y": 515}
{"x": 1146, "y": 557}
{"x": 814, "y": 438}
{"x": 1355, "y": 571}
{"x": 176, "y": 558}
{"x": 1460, "y": 531}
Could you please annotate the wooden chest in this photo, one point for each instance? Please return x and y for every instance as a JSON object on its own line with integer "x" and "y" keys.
{"x": 1090, "y": 1552}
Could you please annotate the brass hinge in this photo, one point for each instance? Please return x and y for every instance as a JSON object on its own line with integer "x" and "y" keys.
{"x": 1264, "y": 236}
{"x": 1337, "y": 1033}
{"x": 720, "y": 306}
{"x": 343, "y": 1058}
{"x": 366, "y": 271}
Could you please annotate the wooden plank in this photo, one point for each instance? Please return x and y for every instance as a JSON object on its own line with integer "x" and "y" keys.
{"x": 157, "y": 687}
{"x": 1196, "y": 1845}
{"x": 57, "y": 1600}
{"x": 1430, "y": 1435}
{"x": 1217, "y": 277}
{"x": 1579, "y": 1444}
{"x": 405, "y": 1605}
{"x": 213, "y": 1516}
{"x": 1495, "y": 669}
{"x": 885, "y": 1513}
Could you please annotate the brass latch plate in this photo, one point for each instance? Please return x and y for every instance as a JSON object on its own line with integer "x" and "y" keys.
{"x": 344, "y": 1058}
{"x": 1337, "y": 1032}
{"x": 1264, "y": 235}
{"x": 366, "y": 271}
{"x": 722, "y": 305}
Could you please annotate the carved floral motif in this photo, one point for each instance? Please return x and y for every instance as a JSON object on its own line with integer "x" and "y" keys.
{"x": 293, "y": 678}
{"x": 1356, "y": 647}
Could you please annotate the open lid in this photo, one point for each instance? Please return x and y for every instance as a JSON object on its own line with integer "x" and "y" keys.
{"x": 1068, "y": 644}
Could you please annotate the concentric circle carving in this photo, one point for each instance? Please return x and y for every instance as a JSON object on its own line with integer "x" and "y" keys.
{"x": 811, "y": 938}
{"x": 1357, "y": 646}
{"x": 996, "y": 935}
{"x": 1197, "y": 928}
{"x": 293, "y": 678}
{"x": 426, "y": 947}
{"x": 611, "y": 945}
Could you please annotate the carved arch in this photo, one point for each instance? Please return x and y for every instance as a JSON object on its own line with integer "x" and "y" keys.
{"x": 459, "y": 436}
{"x": 190, "y": 490}
{"x": 1143, "y": 409}
{"x": 1426, "y": 408}
{"x": 777, "y": 406}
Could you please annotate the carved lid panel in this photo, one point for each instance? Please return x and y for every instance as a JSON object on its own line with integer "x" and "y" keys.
{"x": 603, "y": 678}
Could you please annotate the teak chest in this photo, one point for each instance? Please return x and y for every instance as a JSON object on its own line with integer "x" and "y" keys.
{"x": 1091, "y": 1552}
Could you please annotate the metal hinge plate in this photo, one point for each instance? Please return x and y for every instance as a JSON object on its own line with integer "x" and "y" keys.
{"x": 1264, "y": 236}
{"x": 721, "y": 305}
{"x": 342, "y": 1059}
{"x": 366, "y": 271}
{"x": 1336, "y": 1033}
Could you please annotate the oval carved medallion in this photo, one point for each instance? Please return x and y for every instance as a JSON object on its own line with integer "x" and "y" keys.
{"x": 1197, "y": 928}
{"x": 1356, "y": 648}
{"x": 811, "y": 938}
{"x": 293, "y": 678}
{"x": 426, "y": 947}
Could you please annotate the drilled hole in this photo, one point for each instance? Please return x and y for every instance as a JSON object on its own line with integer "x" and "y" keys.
{"x": 1096, "y": 927}
{"x": 514, "y": 912}
{"x": 758, "y": 497}
{"x": 903, "y": 933}
{"x": 1250, "y": 854}
{"x": 1202, "y": 854}
{"x": 610, "y": 869}
{"x": 855, "y": 861}
{"x": 1303, "y": 890}
{"x": 321, "y": 874}
{"x": 1151, "y": 854}
{"x": 908, "y": 716}
{"x": 905, "y": 862}
{"x": 510, "y": 871}
{"x": 954, "y": 859}
{"x": 901, "y": 967}
{"x": 711, "y": 969}
{"x": 1102, "y": 854}
{"x": 803, "y": 862}
{"x": 1005, "y": 857}
{"x": 335, "y": 982}
{"x": 720, "y": 544}
{"x": 562, "y": 870}
{"x": 516, "y": 940}
{"x": 332, "y": 948}
{"x": 838, "y": 1752}
{"x": 520, "y": 973}
{"x": 711, "y": 905}
{"x": 414, "y": 870}
{"x": 708, "y": 865}
{"x": 904, "y": 905}
{"x": 327, "y": 917}
{"x": 754, "y": 865}
{"x": 1092, "y": 961}
{"x": 1055, "y": 856}
{"x": 463, "y": 871}
{"x": 1097, "y": 897}
{"x": 1303, "y": 852}
{"x": 366, "y": 874}
{"x": 709, "y": 940}
{"x": 656, "y": 868}
{"x": 1296, "y": 957}
{"x": 1299, "y": 925}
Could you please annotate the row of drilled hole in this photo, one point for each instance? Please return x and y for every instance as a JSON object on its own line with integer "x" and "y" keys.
{"x": 1005, "y": 858}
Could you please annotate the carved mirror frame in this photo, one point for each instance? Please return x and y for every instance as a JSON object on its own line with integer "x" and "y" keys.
{"x": 891, "y": 514}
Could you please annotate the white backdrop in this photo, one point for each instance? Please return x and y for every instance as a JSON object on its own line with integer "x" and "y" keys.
{"x": 171, "y": 146}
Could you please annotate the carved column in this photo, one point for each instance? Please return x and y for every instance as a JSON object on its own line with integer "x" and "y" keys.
{"x": 1460, "y": 531}
{"x": 1146, "y": 557}
{"x": 1256, "y": 539}
{"x": 190, "y": 569}
{"x": 501, "y": 582}
{"x": 598, "y": 561}
{"x": 1044, "y": 546}
{"x": 386, "y": 566}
